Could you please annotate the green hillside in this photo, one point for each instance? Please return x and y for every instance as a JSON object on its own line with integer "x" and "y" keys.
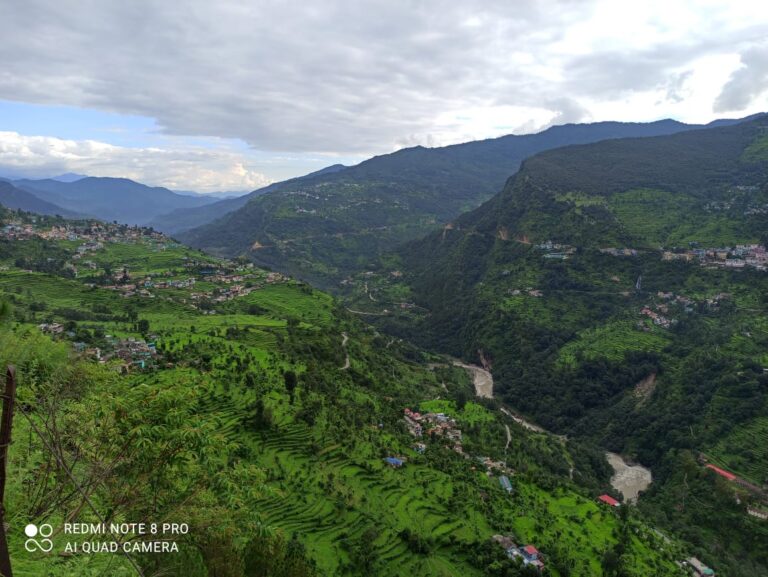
{"x": 323, "y": 228}
{"x": 618, "y": 292}
{"x": 258, "y": 411}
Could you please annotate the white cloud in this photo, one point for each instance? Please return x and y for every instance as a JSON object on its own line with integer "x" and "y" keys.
{"x": 191, "y": 168}
{"x": 364, "y": 77}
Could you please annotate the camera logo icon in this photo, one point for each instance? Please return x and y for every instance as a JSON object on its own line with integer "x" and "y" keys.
{"x": 43, "y": 544}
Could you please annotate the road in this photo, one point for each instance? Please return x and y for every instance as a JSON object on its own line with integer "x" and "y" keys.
{"x": 344, "y": 339}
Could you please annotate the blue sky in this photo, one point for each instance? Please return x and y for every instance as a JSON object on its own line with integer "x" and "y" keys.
{"x": 138, "y": 136}
{"x": 75, "y": 123}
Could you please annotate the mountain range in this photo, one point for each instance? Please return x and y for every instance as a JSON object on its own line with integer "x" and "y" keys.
{"x": 610, "y": 278}
{"x": 618, "y": 292}
{"x": 325, "y": 226}
{"x": 111, "y": 199}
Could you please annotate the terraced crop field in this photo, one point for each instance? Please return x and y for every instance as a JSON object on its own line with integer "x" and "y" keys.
{"x": 745, "y": 452}
{"x": 611, "y": 341}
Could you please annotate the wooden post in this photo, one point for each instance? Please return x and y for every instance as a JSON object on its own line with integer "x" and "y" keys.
{"x": 5, "y": 441}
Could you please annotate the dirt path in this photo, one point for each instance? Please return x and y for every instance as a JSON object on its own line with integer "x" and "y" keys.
{"x": 509, "y": 437}
{"x": 522, "y": 422}
{"x": 629, "y": 480}
{"x": 344, "y": 339}
{"x": 481, "y": 378}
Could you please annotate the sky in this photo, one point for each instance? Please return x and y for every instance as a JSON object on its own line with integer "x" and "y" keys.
{"x": 232, "y": 95}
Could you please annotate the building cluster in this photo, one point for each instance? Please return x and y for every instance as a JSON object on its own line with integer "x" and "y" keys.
{"x": 492, "y": 466}
{"x": 738, "y": 257}
{"x": 528, "y": 554}
{"x": 760, "y": 493}
{"x": 619, "y": 251}
{"x": 433, "y": 425}
{"x": 699, "y": 568}
{"x": 18, "y": 231}
{"x": 149, "y": 282}
{"x": 531, "y": 292}
{"x": 91, "y": 232}
{"x": 133, "y": 353}
{"x": 668, "y": 303}
{"x": 657, "y": 317}
{"x": 555, "y": 251}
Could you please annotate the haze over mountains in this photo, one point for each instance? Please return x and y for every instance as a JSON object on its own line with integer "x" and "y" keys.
{"x": 111, "y": 199}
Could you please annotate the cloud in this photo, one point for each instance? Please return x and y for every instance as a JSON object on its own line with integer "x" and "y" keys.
{"x": 191, "y": 168}
{"x": 746, "y": 83}
{"x": 342, "y": 77}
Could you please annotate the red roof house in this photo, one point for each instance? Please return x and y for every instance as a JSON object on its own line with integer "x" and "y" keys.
{"x": 722, "y": 472}
{"x": 608, "y": 500}
{"x": 531, "y": 551}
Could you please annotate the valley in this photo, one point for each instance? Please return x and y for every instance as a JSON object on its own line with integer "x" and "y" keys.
{"x": 461, "y": 399}
{"x": 295, "y": 408}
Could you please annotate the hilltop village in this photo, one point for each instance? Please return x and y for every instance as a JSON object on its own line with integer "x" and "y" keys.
{"x": 221, "y": 280}
{"x": 100, "y": 256}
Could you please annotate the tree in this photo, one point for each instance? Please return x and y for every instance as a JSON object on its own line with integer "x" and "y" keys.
{"x": 143, "y": 326}
{"x": 291, "y": 380}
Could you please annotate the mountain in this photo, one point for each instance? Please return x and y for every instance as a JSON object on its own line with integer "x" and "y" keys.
{"x": 188, "y": 218}
{"x": 324, "y": 227}
{"x": 16, "y": 198}
{"x": 112, "y": 199}
{"x": 222, "y": 195}
{"x": 618, "y": 292}
{"x": 69, "y": 177}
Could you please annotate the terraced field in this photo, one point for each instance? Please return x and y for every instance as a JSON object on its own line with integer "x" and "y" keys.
{"x": 745, "y": 452}
{"x": 611, "y": 341}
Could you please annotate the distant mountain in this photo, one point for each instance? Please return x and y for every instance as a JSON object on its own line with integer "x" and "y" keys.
{"x": 322, "y": 228}
{"x": 69, "y": 177}
{"x": 110, "y": 199}
{"x": 188, "y": 218}
{"x": 217, "y": 195}
{"x": 15, "y": 198}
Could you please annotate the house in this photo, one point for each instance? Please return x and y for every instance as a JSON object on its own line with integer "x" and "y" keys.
{"x": 608, "y": 500}
{"x": 721, "y": 472}
{"x": 52, "y": 328}
{"x": 505, "y": 483}
{"x": 699, "y": 568}
{"x": 530, "y": 555}
{"x": 394, "y": 462}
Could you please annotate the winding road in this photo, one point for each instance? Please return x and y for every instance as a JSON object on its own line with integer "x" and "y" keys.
{"x": 344, "y": 340}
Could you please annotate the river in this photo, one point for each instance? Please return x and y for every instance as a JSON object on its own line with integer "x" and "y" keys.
{"x": 481, "y": 378}
{"x": 628, "y": 480}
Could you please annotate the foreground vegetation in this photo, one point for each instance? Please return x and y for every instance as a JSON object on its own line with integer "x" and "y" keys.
{"x": 261, "y": 418}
